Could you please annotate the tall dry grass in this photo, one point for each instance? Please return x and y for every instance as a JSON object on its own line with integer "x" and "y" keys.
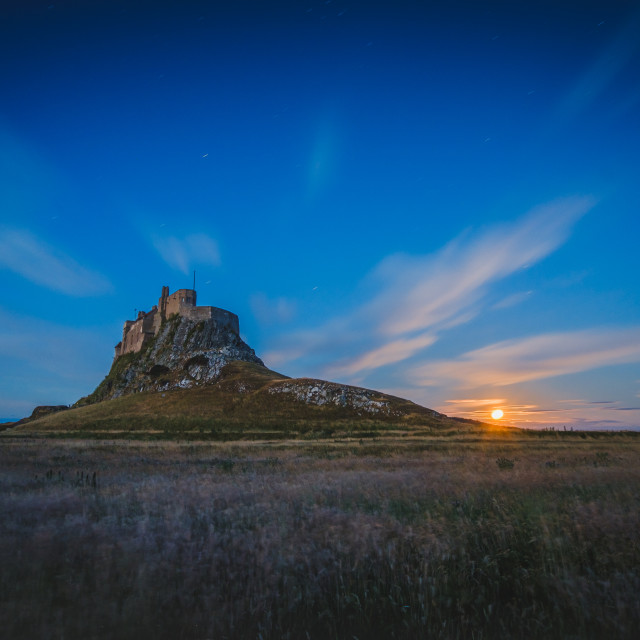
{"x": 224, "y": 541}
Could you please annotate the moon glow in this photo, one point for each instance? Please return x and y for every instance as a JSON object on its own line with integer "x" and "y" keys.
{"x": 496, "y": 414}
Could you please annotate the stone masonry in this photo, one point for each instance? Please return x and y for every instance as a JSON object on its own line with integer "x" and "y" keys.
{"x": 136, "y": 333}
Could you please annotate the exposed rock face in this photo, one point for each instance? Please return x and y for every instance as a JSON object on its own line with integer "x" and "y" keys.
{"x": 320, "y": 393}
{"x": 184, "y": 353}
{"x": 323, "y": 393}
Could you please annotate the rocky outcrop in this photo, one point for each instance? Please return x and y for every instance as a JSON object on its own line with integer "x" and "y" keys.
{"x": 40, "y": 411}
{"x": 321, "y": 393}
{"x": 331, "y": 394}
{"x": 45, "y": 410}
{"x": 185, "y": 353}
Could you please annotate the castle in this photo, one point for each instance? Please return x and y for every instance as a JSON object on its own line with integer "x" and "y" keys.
{"x": 136, "y": 333}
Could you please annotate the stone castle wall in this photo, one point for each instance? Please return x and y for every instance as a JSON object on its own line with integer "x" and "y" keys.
{"x": 224, "y": 319}
{"x": 137, "y": 333}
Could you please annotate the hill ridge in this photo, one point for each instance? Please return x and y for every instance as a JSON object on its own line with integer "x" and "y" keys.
{"x": 192, "y": 372}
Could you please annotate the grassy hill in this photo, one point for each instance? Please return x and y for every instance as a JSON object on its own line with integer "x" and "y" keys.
{"x": 248, "y": 401}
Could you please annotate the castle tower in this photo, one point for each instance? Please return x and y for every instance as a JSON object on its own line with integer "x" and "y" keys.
{"x": 162, "y": 302}
{"x": 180, "y": 301}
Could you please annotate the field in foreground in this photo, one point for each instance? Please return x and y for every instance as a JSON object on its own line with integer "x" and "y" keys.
{"x": 496, "y": 537}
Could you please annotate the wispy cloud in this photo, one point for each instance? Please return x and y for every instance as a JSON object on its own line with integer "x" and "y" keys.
{"x": 270, "y": 311}
{"x": 313, "y": 345}
{"x": 581, "y": 416}
{"x": 33, "y": 259}
{"x": 391, "y": 352}
{"x": 431, "y": 291}
{"x": 183, "y": 254}
{"x": 481, "y": 409}
{"x": 577, "y": 413}
{"x": 474, "y": 408}
{"x": 47, "y": 363}
{"x": 416, "y": 298}
{"x": 477, "y": 402}
{"x": 535, "y": 357}
{"x": 599, "y": 75}
{"x": 512, "y": 300}
{"x": 322, "y": 163}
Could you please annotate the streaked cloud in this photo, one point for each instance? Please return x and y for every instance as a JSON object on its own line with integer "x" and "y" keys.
{"x": 513, "y": 413}
{"x": 389, "y": 353}
{"x": 63, "y": 345}
{"x": 535, "y": 357}
{"x": 602, "y": 72}
{"x": 474, "y": 408}
{"x": 57, "y": 367}
{"x": 417, "y": 298}
{"x": 429, "y": 291}
{"x": 278, "y": 357}
{"x": 477, "y": 402}
{"x": 581, "y": 415}
{"x": 512, "y": 300}
{"x": 559, "y": 414}
{"x": 313, "y": 345}
{"x": 271, "y": 311}
{"x": 183, "y": 254}
{"x": 323, "y": 159}
{"x": 27, "y": 255}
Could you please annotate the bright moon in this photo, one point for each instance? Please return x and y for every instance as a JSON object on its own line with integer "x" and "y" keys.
{"x": 496, "y": 414}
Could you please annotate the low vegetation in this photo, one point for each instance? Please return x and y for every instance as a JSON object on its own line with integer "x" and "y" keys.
{"x": 239, "y": 405}
{"x": 477, "y": 536}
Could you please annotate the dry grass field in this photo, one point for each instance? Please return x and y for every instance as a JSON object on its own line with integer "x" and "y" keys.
{"x": 479, "y": 536}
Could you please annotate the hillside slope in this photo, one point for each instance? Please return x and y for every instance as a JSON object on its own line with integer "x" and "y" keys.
{"x": 246, "y": 400}
{"x": 183, "y": 354}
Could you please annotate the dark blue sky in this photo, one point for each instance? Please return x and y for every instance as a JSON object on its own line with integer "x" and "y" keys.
{"x": 438, "y": 199}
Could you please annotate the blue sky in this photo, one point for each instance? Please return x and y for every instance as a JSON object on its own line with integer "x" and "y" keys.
{"x": 439, "y": 200}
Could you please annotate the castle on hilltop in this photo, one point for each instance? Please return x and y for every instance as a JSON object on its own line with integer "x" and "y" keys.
{"x": 136, "y": 333}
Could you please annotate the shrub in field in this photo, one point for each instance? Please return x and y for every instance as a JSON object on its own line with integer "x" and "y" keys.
{"x": 505, "y": 463}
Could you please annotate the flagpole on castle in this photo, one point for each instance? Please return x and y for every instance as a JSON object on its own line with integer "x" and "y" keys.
{"x": 194, "y": 280}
